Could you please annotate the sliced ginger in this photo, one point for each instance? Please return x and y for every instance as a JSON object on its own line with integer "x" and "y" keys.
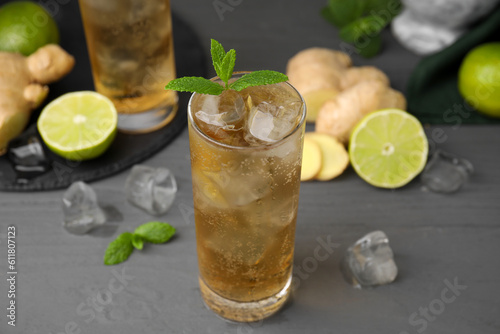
{"x": 311, "y": 160}
{"x": 335, "y": 158}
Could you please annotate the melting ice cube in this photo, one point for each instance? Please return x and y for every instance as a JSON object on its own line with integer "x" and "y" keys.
{"x": 271, "y": 122}
{"x": 80, "y": 208}
{"x": 27, "y": 156}
{"x": 220, "y": 111}
{"x": 446, "y": 172}
{"x": 151, "y": 189}
{"x": 370, "y": 261}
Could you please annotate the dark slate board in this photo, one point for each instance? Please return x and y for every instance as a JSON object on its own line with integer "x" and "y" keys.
{"x": 127, "y": 149}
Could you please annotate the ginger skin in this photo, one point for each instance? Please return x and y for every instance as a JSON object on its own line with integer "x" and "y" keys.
{"x": 338, "y": 117}
{"x": 338, "y": 95}
{"x": 23, "y": 86}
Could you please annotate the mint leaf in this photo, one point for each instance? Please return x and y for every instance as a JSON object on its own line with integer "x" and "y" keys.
{"x": 155, "y": 232}
{"x": 223, "y": 62}
{"x": 390, "y": 8}
{"x": 227, "y": 66}
{"x": 364, "y": 33}
{"x": 137, "y": 241}
{"x": 258, "y": 78}
{"x": 342, "y": 12}
{"x": 328, "y": 16}
{"x": 224, "y": 66}
{"x": 372, "y": 47}
{"x": 195, "y": 85}
{"x": 218, "y": 54}
{"x": 119, "y": 250}
{"x": 366, "y": 27}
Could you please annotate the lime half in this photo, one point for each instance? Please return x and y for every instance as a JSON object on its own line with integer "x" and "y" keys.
{"x": 388, "y": 148}
{"x": 78, "y": 126}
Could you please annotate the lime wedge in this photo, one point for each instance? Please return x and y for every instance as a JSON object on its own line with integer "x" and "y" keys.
{"x": 78, "y": 126}
{"x": 388, "y": 148}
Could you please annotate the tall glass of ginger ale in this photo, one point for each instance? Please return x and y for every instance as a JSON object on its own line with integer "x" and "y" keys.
{"x": 246, "y": 150}
{"x": 130, "y": 47}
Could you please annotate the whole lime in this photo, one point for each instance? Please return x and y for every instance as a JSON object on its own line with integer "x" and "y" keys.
{"x": 479, "y": 78}
{"x": 25, "y": 26}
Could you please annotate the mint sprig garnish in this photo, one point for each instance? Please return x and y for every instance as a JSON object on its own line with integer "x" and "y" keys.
{"x": 153, "y": 232}
{"x": 223, "y": 63}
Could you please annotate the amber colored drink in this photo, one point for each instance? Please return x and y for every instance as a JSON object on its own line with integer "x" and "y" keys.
{"x": 246, "y": 153}
{"x": 131, "y": 51}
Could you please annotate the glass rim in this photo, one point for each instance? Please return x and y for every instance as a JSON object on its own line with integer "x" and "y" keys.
{"x": 193, "y": 124}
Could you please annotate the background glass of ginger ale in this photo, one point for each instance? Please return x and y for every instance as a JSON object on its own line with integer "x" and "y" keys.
{"x": 130, "y": 47}
{"x": 246, "y": 150}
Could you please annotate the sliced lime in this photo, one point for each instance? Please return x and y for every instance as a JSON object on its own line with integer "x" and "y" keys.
{"x": 78, "y": 126}
{"x": 388, "y": 148}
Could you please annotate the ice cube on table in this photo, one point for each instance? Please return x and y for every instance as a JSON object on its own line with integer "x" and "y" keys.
{"x": 151, "y": 189}
{"x": 370, "y": 261}
{"x": 81, "y": 209}
{"x": 27, "y": 156}
{"x": 445, "y": 172}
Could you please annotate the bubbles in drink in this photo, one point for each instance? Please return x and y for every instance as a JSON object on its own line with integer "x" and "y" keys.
{"x": 246, "y": 196}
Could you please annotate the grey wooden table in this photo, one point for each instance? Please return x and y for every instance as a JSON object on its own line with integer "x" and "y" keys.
{"x": 446, "y": 246}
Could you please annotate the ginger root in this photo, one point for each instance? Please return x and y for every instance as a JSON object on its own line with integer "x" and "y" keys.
{"x": 314, "y": 73}
{"x": 338, "y": 117}
{"x": 329, "y": 86}
{"x": 23, "y": 86}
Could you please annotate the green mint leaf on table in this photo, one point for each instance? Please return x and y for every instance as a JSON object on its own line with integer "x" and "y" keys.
{"x": 155, "y": 232}
{"x": 364, "y": 34}
{"x": 195, "y": 85}
{"x": 258, "y": 78}
{"x": 342, "y": 12}
{"x": 137, "y": 241}
{"x": 361, "y": 21}
{"x": 119, "y": 250}
{"x": 224, "y": 66}
{"x": 390, "y": 8}
{"x": 371, "y": 47}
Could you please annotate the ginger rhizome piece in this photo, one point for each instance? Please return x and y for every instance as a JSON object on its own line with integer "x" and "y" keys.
{"x": 23, "y": 86}
{"x": 338, "y": 95}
